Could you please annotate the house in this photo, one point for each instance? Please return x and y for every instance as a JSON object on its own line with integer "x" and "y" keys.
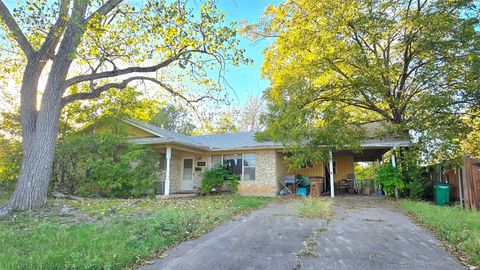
{"x": 260, "y": 164}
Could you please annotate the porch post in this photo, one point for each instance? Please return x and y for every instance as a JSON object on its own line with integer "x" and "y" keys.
{"x": 168, "y": 156}
{"x": 330, "y": 170}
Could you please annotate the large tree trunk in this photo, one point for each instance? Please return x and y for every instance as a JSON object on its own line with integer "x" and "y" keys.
{"x": 32, "y": 187}
{"x": 40, "y": 128}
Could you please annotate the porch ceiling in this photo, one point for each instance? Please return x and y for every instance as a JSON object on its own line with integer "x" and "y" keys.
{"x": 371, "y": 154}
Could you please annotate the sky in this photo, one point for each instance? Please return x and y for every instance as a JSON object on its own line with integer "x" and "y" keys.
{"x": 246, "y": 80}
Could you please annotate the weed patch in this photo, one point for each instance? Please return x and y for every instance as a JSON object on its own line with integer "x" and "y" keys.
{"x": 315, "y": 208}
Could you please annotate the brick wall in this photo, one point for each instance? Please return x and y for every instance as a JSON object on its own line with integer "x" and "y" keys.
{"x": 265, "y": 183}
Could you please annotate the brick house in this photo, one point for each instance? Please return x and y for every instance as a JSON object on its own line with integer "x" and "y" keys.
{"x": 260, "y": 164}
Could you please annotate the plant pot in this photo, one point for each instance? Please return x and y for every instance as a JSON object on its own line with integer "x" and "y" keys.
{"x": 366, "y": 191}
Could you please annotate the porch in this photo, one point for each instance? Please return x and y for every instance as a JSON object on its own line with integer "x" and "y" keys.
{"x": 181, "y": 175}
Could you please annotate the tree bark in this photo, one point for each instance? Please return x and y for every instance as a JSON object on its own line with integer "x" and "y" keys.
{"x": 32, "y": 187}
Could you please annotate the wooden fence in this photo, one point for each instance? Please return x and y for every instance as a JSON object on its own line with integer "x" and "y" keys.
{"x": 470, "y": 183}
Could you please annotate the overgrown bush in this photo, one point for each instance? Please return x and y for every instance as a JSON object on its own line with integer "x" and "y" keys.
{"x": 105, "y": 165}
{"x": 389, "y": 177}
{"x": 10, "y": 163}
{"x": 413, "y": 175}
{"x": 215, "y": 178}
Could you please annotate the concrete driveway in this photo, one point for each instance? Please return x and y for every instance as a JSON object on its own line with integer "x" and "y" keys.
{"x": 365, "y": 233}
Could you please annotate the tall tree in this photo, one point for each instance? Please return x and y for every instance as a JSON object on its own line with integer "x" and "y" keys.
{"x": 411, "y": 65}
{"x": 173, "y": 118}
{"x": 251, "y": 112}
{"x": 101, "y": 45}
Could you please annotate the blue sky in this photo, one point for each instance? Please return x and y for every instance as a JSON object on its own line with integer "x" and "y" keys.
{"x": 246, "y": 81}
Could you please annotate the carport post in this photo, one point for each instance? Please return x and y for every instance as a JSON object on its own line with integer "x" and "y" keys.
{"x": 330, "y": 170}
{"x": 168, "y": 156}
{"x": 394, "y": 164}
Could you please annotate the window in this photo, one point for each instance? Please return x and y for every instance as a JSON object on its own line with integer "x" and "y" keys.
{"x": 243, "y": 165}
{"x": 188, "y": 169}
{"x": 327, "y": 166}
{"x": 216, "y": 159}
{"x": 249, "y": 165}
{"x": 307, "y": 165}
{"x": 234, "y": 163}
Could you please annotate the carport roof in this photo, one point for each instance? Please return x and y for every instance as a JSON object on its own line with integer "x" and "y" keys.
{"x": 239, "y": 140}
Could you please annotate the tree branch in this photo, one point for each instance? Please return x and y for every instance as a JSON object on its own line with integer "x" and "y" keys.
{"x": 104, "y": 9}
{"x": 129, "y": 70}
{"x": 17, "y": 33}
{"x": 53, "y": 36}
{"x": 96, "y": 92}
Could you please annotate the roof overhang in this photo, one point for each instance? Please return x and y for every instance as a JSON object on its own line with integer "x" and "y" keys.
{"x": 373, "y": 146}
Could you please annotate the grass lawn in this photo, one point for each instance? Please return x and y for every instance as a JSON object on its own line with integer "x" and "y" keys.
{"x": 110, "y": 234}
{"x": 460, "y": 228}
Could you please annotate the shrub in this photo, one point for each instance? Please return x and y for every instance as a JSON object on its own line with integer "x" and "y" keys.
{"x": 10, "y": 163}
{"x": 389, "y": 177}
{"x": 216, "y": 177}
{"x": 105, "y": 165}
{"x": 412, "y": 175}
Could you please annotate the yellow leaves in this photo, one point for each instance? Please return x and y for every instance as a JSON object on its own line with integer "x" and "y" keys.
{"x": 270, "y": 10}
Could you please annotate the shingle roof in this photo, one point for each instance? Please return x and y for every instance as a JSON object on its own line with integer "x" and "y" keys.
{"x": 239, "y": 140}
{"x": 233, "y": 141}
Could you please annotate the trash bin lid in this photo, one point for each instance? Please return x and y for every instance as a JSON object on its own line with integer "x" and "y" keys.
{"x": 442, "y": 185}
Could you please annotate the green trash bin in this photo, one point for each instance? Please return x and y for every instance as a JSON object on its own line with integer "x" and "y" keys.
{"x": 442, "y": 193}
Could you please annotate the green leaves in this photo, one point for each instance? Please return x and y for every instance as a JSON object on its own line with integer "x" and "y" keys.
{"x": 405, "y": 64}
{"x": 390, "y": 179}
{"x": 105, "y": 164}
{"x": 214, "y": 179}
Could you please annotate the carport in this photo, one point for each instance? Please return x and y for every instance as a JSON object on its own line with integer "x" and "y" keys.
{"x": 372, "y": 151}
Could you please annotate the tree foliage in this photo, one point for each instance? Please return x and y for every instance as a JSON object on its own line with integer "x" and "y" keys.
{"x": 10, "y": 161}
{"x": 173, "y": 118}
{"x": 411, "y": 65}
{"x": 390, "y": 179}
{"x": 251, "y": 114}
{"x": 365, "y": 171}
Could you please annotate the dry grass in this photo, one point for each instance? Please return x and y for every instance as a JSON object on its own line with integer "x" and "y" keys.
{"x": 315, "y": 208}
{"x": 311, "y": 244}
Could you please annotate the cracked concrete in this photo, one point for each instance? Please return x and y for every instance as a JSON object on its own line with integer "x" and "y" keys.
{"x": 364, "y": 233}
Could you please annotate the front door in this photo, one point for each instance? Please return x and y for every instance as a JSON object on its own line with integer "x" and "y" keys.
{"x": 187, "y": 179}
